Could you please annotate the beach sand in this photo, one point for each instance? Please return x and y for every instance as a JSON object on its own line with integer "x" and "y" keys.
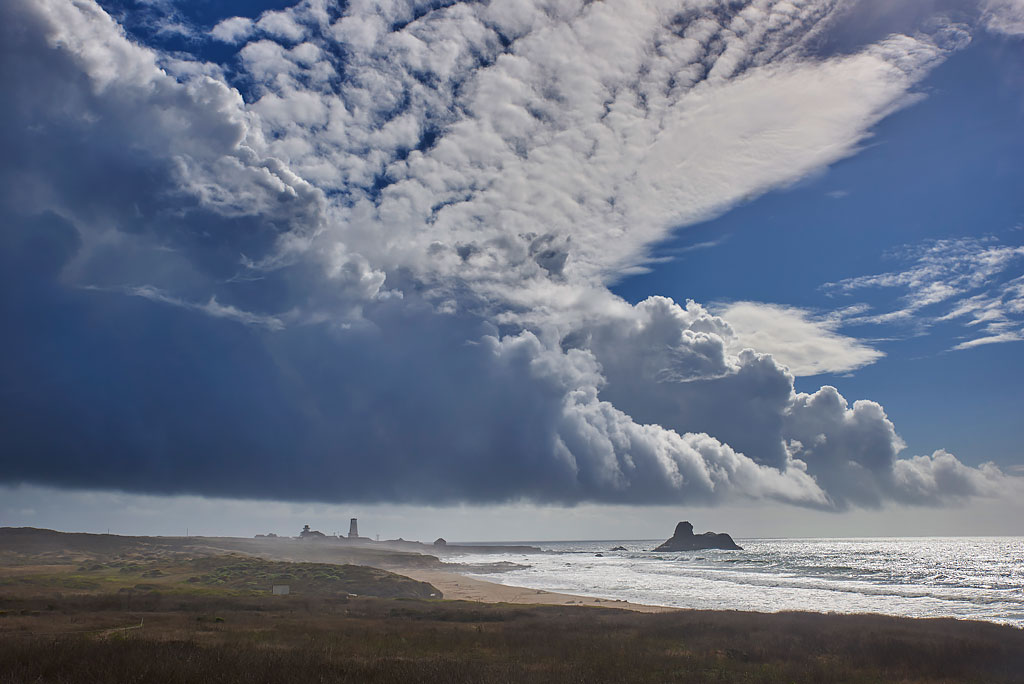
{"x": 459, "y": 587}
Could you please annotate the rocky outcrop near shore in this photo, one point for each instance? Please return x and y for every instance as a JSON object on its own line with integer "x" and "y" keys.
{"x": 685, "y": 540}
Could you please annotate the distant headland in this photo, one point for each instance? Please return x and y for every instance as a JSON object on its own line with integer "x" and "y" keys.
{"x": 685, "y": 540}
{"x": 439, "y": 547}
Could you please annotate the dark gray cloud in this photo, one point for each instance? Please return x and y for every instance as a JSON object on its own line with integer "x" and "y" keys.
{"x": 382, "y": 276}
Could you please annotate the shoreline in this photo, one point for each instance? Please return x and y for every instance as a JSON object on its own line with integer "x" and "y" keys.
{"x": 457, "y": 587}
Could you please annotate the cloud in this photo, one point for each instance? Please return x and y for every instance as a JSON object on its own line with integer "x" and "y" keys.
{"x": 211, "y": 308}
{"x": 1010, "y": 336}
{"x": 381, "y": 275}
{"x": 796, "y": 338}
{"x": 572, "y": 141}
{"x": 281, "y": 25}
{"x": 1003, "y": 16}
{"x": 972, "y": 280}
{"x": 233, "y": 29}
{"x": 924, "y": 478}
{"x": 854, "y": 451}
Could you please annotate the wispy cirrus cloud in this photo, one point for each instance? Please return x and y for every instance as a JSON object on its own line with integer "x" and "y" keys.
{"x": 211, "y": 308}
{"x": 975, "y": 281}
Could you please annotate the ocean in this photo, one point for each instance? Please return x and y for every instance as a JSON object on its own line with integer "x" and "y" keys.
{"x": 971, "y": 578}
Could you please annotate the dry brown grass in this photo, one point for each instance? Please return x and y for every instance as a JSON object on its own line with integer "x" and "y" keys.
{"x": 293, "y": 639}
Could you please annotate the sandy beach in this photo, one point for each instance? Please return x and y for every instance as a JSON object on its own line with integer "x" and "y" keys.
{"x": 459, "y": 587}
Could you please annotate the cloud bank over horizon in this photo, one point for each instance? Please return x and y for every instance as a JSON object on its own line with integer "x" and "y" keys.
{"x": 368, "y": 258}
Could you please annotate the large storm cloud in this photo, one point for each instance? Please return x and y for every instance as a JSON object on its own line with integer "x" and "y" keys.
{"x": 368, "y": 258}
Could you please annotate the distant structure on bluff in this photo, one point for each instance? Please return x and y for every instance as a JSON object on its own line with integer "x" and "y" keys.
{"x": 685, "y": 540}
{"x": 353, "y": 529}
{"x": 311, "y": 534}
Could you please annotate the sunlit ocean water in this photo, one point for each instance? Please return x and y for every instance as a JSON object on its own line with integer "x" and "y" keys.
{"x": 972, "y": 578}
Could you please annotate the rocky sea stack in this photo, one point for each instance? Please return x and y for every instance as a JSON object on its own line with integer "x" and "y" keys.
{"x": 685, "y": 540}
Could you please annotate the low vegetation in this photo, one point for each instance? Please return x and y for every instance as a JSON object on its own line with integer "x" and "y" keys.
{"x": 309, "y": 579}
{"x": 165, "y": 616}
{"x": 227, "y": 575}
{"x": 188, "y": 638}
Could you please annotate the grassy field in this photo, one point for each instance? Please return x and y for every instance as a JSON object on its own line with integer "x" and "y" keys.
{"x": 189, "y": 638}
{"x": 211, "y": 575}
{"x": 135, "y": 614}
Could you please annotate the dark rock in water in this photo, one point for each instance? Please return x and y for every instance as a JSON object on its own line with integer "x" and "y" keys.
{"x": 440, "y": 541}
{"x": 685, "y": 540}
{"x": 617, "y": 548}
{"x": 599, "y": 555}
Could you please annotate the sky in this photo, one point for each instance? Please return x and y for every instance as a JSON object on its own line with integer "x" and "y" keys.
{"x": 521, "y": 269}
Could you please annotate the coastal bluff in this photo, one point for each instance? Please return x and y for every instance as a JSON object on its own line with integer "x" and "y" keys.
{"x": 685, "y": 540}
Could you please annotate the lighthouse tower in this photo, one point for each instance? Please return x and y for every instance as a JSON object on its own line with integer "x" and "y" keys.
{"x": 353, "y": 529}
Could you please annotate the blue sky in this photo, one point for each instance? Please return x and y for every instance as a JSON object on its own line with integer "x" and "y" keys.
{"x": 597, "y": 264}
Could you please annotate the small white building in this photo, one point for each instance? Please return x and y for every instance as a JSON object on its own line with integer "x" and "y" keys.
{"x": 280, "y": 590}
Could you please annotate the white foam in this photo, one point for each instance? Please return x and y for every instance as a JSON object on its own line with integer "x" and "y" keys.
{"x": 971, "y": 578}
